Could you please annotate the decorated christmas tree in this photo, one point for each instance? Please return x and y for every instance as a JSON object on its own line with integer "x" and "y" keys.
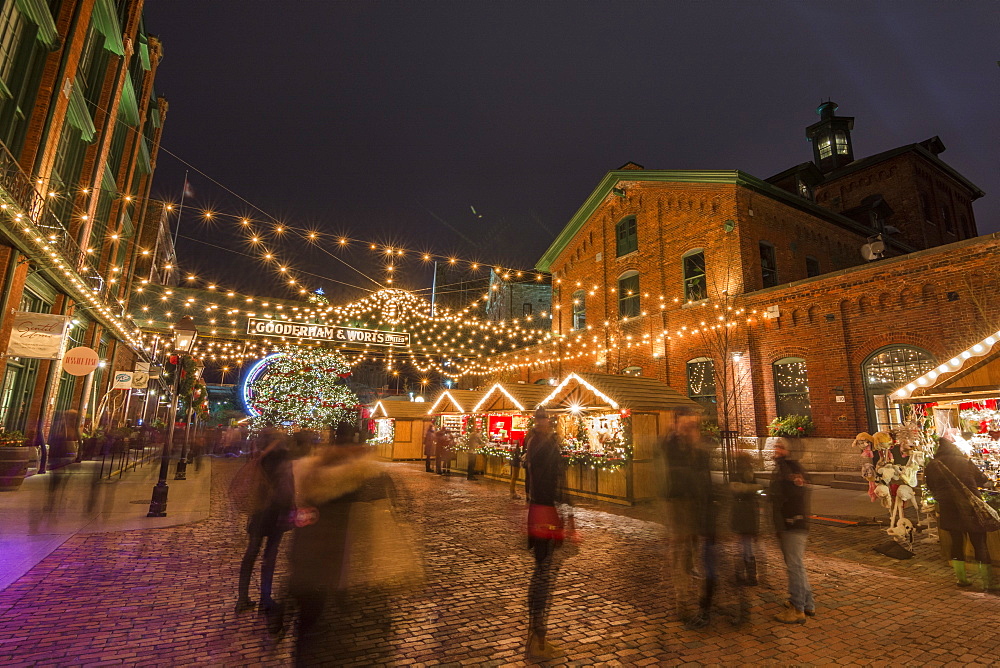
{"x": 304, "y": 387}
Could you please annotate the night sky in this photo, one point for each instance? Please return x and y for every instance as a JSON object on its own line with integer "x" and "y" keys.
{"x": 391, "y": 121}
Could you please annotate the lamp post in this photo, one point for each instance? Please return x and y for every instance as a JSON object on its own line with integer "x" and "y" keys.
{"x": 182, "y": 462}
{"x": 185, "y": 334}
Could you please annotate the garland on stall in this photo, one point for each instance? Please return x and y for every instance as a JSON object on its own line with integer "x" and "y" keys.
{"x": 616, "y": 455}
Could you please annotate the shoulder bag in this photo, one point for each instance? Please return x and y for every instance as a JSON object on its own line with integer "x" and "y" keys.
{"x": 983, "y": 513}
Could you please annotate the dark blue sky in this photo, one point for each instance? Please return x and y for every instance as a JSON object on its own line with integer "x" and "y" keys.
{"x": 389, "y": 120}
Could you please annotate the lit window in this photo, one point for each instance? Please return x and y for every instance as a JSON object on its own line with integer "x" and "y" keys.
{"x": 580, "y": 309}
{"x": 701, "y": 385}
{"x": 694, "y": 276}
{"x": 841, "y": 139}
{"x": 628, "y": 294}
{"x": 825, "y": 147}
{"x": 791, "y": 387}
{"x": 884, "y": 372}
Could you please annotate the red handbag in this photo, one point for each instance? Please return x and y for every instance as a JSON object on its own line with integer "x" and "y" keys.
{"x": 544, "y": 522}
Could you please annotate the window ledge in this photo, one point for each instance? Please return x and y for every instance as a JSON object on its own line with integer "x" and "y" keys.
{"x": 700, "y": 302}
{"x": 627, "y": 255}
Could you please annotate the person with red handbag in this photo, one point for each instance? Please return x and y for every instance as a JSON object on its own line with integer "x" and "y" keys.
{"x": 544, "y": 475}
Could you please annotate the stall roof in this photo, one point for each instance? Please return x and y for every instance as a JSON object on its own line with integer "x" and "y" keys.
{"x": 512, "y": 397}
{"x": 970, "y": 375}
{"x": 617, "y": 392}
{"x": 400, "y": 409}
{"x": 455, "y": 401}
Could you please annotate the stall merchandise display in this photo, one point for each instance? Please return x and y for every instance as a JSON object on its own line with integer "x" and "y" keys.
{"x": 384, "y": 432}
{"x": 598, "y": 440}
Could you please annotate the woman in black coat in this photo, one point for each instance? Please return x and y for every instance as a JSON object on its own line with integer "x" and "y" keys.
{"x": 954, "y": 513}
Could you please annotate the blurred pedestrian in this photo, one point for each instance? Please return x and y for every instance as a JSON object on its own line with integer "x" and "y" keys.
{"x": 516, "y": 458}
{"x": 430, "y": 445}
{"x": 676, "y": 457}
{"x": 442, "y": 451}
{"x": 472, "y": 451}
{"x": 64, "y": 443}
{"x": 272, "y": 502}
{"x": 744, "y": 519}
{"x": 345, "y": 500}
{"x": 544, "y": 484}
{"x": 946, "y": 472}
{"x": 790, "y": 509}
{"x": 693, "y": 515}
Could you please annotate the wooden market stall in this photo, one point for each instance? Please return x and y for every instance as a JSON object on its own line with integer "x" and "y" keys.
{"x": 962, "y": 398}
{"x": 399, "y": 428}
{"x": 610, "y": 426}
{"x": 452, "y": 409}
{"x": 504, "y": 415}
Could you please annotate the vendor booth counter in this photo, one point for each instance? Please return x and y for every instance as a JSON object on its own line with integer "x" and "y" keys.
{"x": 399, "y": 428}
{"x": 608, "y": 425}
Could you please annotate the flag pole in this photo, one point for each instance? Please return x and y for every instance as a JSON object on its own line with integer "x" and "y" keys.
{"x": 180, "y": 210}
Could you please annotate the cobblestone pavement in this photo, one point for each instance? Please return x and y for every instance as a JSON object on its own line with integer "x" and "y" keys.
{"x": 165, "y": 596}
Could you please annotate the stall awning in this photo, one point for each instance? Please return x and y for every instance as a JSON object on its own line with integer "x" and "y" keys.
{"x": 37, "y": 11}
{"x": 600, "y": 390}
{"x": 400, "y": 410}
{"x": 455, "y": 401}
{"x": 512, "y": 397}
{"x": 972, "y": 374}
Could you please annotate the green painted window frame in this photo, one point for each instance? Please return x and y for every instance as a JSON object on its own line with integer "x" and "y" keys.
{"x": 629, "y": 305}
{"x": 626, "y": 236}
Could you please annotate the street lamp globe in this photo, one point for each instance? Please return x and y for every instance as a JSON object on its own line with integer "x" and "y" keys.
{"x": 185, "y": 333}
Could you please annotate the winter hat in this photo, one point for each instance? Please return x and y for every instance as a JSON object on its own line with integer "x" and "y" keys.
{"x": 541, "y": 414}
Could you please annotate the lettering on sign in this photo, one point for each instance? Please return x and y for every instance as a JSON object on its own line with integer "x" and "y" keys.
{"x": 38, "y": 335}
{"x": 334, "y": 333}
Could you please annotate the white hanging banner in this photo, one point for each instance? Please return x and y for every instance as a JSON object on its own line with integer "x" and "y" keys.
{"x": 38, "y": 335}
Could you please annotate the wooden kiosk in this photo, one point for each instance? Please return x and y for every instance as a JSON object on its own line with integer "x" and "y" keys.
{"x": 399, "y": 429}
{"x": 452, "y": 410}
{"x": 504, "y": 414}
{"x": 610, "y": 426}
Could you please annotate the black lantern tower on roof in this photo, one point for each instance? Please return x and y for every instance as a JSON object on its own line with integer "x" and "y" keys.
{"x": 831, "y": 138}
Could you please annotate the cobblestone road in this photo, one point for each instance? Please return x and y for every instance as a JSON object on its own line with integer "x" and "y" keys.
{"x": 165, "y": 596}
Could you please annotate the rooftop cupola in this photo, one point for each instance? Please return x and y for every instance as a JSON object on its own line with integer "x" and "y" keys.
{"x": 831, "y": 138}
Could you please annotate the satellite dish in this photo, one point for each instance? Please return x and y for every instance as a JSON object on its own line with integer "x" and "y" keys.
{"x": 866, "y": 252}
{"x": 878, "y": 247}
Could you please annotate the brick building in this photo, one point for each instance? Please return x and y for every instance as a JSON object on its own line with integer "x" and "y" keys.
{"x": 80, "y": 128}
{"x": 753, "y": 294}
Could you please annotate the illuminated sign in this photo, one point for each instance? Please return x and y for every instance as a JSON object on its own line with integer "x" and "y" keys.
{"x": 332, "y": 333}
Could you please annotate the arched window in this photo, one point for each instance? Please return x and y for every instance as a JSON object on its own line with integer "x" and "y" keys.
{"x": 701, "y": 385}
{"x": 628, "y": 294}
{"x": 694, "y": 275}
{"x": 627, "y": 236}
{"x": 883, "y": 372}
{"x": 579, "y": 309}
{"x": 791, "y": 387}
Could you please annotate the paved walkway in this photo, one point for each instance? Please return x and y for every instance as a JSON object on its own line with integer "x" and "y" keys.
{"x": 164, "y": 596}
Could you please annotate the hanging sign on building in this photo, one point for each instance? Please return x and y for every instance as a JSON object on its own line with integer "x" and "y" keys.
{"x": 123, "y": 380}
{"x": 80, "y": 361}
{"x": 332, "y": 333}
{"x": 38, "y": 335}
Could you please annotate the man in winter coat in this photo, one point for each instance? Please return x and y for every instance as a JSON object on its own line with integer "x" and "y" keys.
{"x": 790, "y": 506}
{"x": 955, "y": 514}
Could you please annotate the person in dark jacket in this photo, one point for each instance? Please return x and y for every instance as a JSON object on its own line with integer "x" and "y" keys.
{"x": 273, "y": 503}
{"x": 954, "y": 513}
{"x": 790, "y": 507}
{"x": 544, "y": 473}
{"x": 744, "y": 518}
{"x": 442, "y": 451}
{"x": 429, "y": 447}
